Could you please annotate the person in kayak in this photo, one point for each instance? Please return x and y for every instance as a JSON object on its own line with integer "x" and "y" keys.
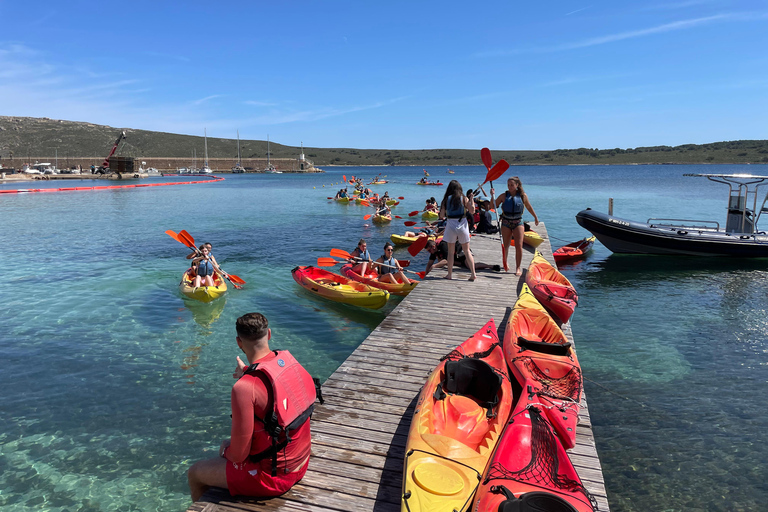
{"x": 246, "y": 464}
{"x": 388, "y": 274}
{"x": 454, "y": 208}
{"x": 206, "y": 266}
{"x": 383, "y": 210}
{"x": 513, "y": 203}
{"x": 485, "y": 222}
{"x": 438, "y": 257}
{"x": 361, "y": 257}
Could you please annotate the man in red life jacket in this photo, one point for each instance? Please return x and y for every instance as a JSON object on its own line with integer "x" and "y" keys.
{"x": 268, "y": 451}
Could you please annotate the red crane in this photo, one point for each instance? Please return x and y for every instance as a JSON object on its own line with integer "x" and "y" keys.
{"x": 114, "y": 148}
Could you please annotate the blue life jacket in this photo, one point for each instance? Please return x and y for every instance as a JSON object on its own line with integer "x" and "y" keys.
{"x": 454, "y": 213}
{"x": 387, "y": 270}
{"x": 512, "y": 208}
{"x": 205, "y": 267}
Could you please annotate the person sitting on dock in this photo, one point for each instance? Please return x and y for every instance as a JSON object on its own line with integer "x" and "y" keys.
{"x": 361, "y": 257}
{"x": 260, "y": 459}
{"x": 389, "y": 268}
{"x": 438, "y": 257}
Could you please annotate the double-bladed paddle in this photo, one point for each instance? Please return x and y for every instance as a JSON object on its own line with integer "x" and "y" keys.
{"x": 185, "y": 238}
{"x": 329, "y": 262}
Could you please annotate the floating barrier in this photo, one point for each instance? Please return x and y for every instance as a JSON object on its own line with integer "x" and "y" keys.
{"x": 208, "y": 179}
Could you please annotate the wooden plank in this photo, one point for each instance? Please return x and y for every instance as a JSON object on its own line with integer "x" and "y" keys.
{"x": 359, "y": 435}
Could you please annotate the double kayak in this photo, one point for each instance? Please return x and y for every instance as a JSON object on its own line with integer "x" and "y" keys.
{"x": 405, "y": 240}
{"x": 553, "y": 290}
{"x": 203, "y": 293}
{"x": 458, "y": 419}
{"x": 574, "y": 250}
{"x": 372, "y": 279}
{"x": 338, "y": 288}
{"x": 343, "y": 200}
{"x": 435, "y": 183}
{"x": 539, "y": 355}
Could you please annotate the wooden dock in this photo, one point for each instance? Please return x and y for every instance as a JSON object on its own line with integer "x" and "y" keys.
{"x": 359, "y": 435}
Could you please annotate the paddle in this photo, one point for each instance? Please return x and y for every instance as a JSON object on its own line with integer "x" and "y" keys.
{"x": 401, "y": 198}
{"x": 329, "y": 262}
{"x": 485, "y": 155}
{"x": 416, "y": 247}
{"x": 415, "y": 212}
{"x": 190, "y": 242}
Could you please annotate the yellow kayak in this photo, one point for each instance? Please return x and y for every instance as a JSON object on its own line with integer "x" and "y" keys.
{"x": 382, "y": 219}
{"x": 404, "y": 240}
{"x": 429, "y": 215}
{"x": 532, "y": 238}
{"x": 204, "y": 293}
{"x": 371, "y": 279}
{"x": 461, "y": 412}
{"x": 339, "y": 288}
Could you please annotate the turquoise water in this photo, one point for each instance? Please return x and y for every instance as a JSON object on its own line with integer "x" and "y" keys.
{"x": 113, "y": 384}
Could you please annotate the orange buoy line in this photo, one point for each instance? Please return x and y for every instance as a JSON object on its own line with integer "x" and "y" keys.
{"x": 209, "y": 179}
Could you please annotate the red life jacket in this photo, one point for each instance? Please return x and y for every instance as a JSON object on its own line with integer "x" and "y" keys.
{"x": 294, "y": 392}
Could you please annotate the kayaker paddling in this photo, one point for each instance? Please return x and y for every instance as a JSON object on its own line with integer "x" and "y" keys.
{"x": 361, "y": 252}
{"x": 206, "y": 265}
{"x": 389, "y": 268}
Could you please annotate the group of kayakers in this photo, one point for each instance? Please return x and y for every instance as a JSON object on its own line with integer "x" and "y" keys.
{"x": 387, "y": 266}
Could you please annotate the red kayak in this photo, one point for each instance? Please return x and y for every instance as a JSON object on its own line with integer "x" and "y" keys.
{"x": 574, "y": 250}
{"x": 538, "y": 353}
{"x": 551, "y": 288}
{"x": 530, "y": 469}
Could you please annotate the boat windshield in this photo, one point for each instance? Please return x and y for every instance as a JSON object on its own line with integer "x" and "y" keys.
{"x": 743, "y": 209}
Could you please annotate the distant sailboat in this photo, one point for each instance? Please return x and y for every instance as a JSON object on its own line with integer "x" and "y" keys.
{"x": 205, "y": 169}
{"x": 270, "y": 168}
{"x": 237, "y": 169}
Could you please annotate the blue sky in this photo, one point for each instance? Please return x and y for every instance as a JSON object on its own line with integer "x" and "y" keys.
{"x": 406, "y": 75}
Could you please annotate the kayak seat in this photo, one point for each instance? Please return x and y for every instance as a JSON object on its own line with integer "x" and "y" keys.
{"x": 532, "y": 502}
{"x": 472, "y": 378}
{"x": 555, "y": 349}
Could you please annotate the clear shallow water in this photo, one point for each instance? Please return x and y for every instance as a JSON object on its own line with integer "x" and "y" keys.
{"x": 113, "y": 384}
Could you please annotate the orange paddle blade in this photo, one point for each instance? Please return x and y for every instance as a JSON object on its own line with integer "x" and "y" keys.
{"x": 338, "y": 253}
{"x": 344, "y": 177}
{"x": 416, "y": 247}
{"x": 236, "y": 279}
{"x": 410, "y": 223}
{"x": 368, "y": 216}
{"x": 401, "y": 198}
{"x": 498, "y": 169}
{"x": 326, "y": 262}
{"x": 365, "y": 203}
{"x": 173, "y": 235}
{"x": 187, "y": 239}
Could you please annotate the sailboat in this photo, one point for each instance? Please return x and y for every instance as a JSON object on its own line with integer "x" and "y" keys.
{"x": 270, "y": 168}
{"x": 205, "y": 169}
{"x": 238, "y": 168}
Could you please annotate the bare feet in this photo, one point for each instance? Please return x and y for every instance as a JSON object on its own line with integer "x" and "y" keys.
{"x": 472, "y": 278}
{"x": 518, "y": 272}
{"x": 447, "y": 277}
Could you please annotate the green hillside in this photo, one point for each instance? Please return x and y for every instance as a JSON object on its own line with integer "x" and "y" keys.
{"x": 22, "y": 138}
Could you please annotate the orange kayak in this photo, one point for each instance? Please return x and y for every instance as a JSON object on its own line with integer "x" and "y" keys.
{"x": 574, "y": 250}
{"x": 371, "y": 279}
{"x": 459, "y": 417}
{"x": 538, "y": 352}
{"x": 339, "y": 288}
{"x": 551, "y": 288}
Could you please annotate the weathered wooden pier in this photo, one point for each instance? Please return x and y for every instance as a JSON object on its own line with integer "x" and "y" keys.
{"x": 359, "y": 435}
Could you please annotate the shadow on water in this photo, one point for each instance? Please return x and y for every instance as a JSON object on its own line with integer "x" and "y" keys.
{"x": 206, "y": 314}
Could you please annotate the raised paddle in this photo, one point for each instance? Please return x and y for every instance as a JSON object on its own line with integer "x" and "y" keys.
{"x": 329, "y": 262}
{"x": 485, "y": 155}
{"x": 190, "y": 242}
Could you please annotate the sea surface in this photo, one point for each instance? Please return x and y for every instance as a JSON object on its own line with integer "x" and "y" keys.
{"x": 113, "y": 384}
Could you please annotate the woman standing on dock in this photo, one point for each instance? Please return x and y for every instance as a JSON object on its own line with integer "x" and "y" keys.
{"x": 513, "y": 204}
{"x": 454, "y": 208}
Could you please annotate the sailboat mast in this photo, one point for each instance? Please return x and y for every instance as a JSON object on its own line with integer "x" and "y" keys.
{"x": 205, "y": 134}
{"x": 238, "y": 147}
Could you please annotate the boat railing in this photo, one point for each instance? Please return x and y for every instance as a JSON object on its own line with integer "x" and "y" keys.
{"x": 708, "y": 225}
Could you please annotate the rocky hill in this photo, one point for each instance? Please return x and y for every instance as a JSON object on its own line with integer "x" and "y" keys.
{"x": 24, "y": 138}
